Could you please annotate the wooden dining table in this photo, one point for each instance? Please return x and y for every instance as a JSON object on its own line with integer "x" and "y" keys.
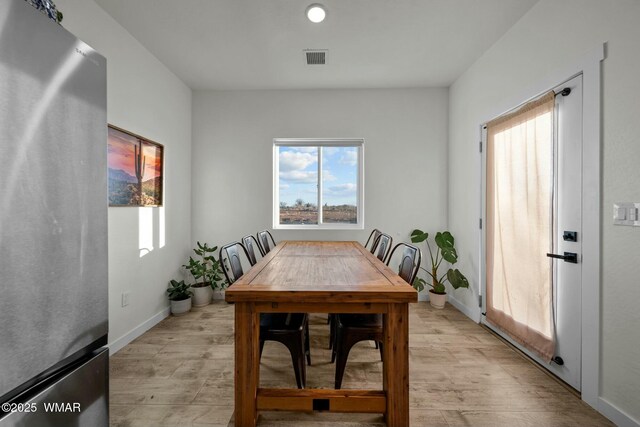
{"x": 321, "y": 277}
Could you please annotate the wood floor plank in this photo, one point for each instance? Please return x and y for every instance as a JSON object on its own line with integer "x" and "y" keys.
{"x": 428, "y": 418}
{"x": 176, "y": 339}
{"x": 174, "y": 415}
{"x": 154, "y": 391}
{"x": 523, "y": 419}
{"x": 138, "y": 351}
{"x": 211, "y": 369}
{"x": 142, "y": 368}
{"x": 459, "y": 374}
{"x": 196, "y": 351}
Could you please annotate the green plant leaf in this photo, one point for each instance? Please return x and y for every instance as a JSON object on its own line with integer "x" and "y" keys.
{"x": 444, "y": 240}
{"x": 179, "y": 290}
{"x": 439, "y": 288}
{"x": 418, "y": 236}
{"x": 418, "y": 283}
{"x": 457, "y": 279}
{"x": 449, "y": 254}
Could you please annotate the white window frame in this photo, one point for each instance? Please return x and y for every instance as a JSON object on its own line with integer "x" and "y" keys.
{"x": 320, "y": 143}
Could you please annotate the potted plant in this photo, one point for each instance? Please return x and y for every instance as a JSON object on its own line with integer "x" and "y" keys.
{"x": 206, "y": 272}
{"x": 445, "y": 252}
{"x": 179, "y": 297}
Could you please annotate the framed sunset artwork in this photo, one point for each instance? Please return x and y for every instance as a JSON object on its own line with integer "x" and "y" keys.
{"x": 135, "y": 169}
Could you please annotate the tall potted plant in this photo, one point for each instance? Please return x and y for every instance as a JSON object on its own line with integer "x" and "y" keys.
{"x": 445, "y": 252}
{"x": 179, "y": 297}
{"x": 206, "y": 272}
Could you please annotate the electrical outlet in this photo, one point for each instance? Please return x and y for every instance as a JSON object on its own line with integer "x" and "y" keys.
{"x": 125, "y": 298}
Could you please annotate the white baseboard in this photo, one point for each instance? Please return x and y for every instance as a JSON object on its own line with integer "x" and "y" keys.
{"x": 615, "y": 414}
{"x": 423, "y": 296}
{"x": 134, "y": 333}
{"x": 471, "y": 313}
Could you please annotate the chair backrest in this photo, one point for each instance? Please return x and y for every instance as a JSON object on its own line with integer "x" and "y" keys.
{"x": 265, "y": 240}
{"x": 250, "y": 243}
{"x": 409, "y": 262}
{"x": 230, "y": 261}
{"x": 373, "y": 237}
{"x": 382, "y": 246}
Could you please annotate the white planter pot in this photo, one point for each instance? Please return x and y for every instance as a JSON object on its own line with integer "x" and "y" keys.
{"x": 201, "y": 295}
{"x": 437, "y": 300}
{"x": 178, "y": 308}
{"x": 218, "y": 295}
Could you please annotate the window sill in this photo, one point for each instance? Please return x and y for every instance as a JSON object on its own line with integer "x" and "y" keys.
{"x": 319, "y": 227}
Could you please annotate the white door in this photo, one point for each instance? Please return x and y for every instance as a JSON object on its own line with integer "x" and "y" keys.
{"x": 568, "y": 209}
{"x": 566, "y": 222}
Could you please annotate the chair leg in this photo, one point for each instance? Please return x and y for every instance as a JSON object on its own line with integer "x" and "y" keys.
{"x": 376, "y": 343}
{"x": 331, "y": 322}
{"x": 297, "y": 370}
{"x": 344, "y": 342}
{"x": 296, "y": 348}
{"x": 307, "y": 347}
{"x": 381, "y": 351}
{"x": 261, "y": 347}
{"x": 303, "y": 368}
{"x": 334, "y": 349}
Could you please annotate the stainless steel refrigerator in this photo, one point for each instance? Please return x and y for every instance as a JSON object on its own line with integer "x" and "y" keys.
{"x": 53, "y": 224}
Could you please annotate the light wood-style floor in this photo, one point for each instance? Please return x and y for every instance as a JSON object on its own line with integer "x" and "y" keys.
{"x": 180, "y": 373}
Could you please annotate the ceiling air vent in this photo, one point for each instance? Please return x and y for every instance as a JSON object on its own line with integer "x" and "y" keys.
{"x": 316, "y": 56}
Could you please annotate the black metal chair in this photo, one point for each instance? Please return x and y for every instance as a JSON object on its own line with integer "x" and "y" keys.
{"x": 382, "y": 246}
{"x": 250, "y": 243}
{"x": 290, "y": 329}
{"x": 373, "y": 237}
{"x": 263, "y": 240}
{"x": 409, "y": 261}
{"x": 353, "y": 328}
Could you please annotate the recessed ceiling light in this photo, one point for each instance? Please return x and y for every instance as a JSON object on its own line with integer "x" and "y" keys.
{"x": 316, "y": 13}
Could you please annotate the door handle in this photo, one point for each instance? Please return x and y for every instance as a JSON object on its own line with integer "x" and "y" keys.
{"x": 571, "y": 257}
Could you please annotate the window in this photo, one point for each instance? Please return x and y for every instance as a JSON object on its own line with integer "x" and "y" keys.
{"x": 318, "y": 183}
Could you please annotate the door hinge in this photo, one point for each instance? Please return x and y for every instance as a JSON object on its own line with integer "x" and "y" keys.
{"x": 480, "y": 223}
{"x": 481, "y": 146}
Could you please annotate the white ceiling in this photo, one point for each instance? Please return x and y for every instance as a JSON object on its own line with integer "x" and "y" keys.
{"x": 258, "y": 44}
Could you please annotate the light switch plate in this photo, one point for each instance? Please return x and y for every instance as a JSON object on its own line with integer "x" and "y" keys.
{"x": 125, "y": 298}
{"x": 626, "y": 213}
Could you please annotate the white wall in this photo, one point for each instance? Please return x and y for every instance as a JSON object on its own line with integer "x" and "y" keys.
{"x": 144, "y": 97}
{"x": 555, "y": 34}
{"x": 405, "y": 134}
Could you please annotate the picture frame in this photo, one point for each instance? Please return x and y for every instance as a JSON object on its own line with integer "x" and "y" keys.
{"x": 135, "y": 169}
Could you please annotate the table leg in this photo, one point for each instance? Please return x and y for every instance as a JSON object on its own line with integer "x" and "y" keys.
{"x": 247, "y": 364}
{"x": 396, "y": 364}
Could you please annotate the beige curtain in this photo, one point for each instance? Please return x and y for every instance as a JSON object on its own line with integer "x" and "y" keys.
{"x": 520, "y": 224}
